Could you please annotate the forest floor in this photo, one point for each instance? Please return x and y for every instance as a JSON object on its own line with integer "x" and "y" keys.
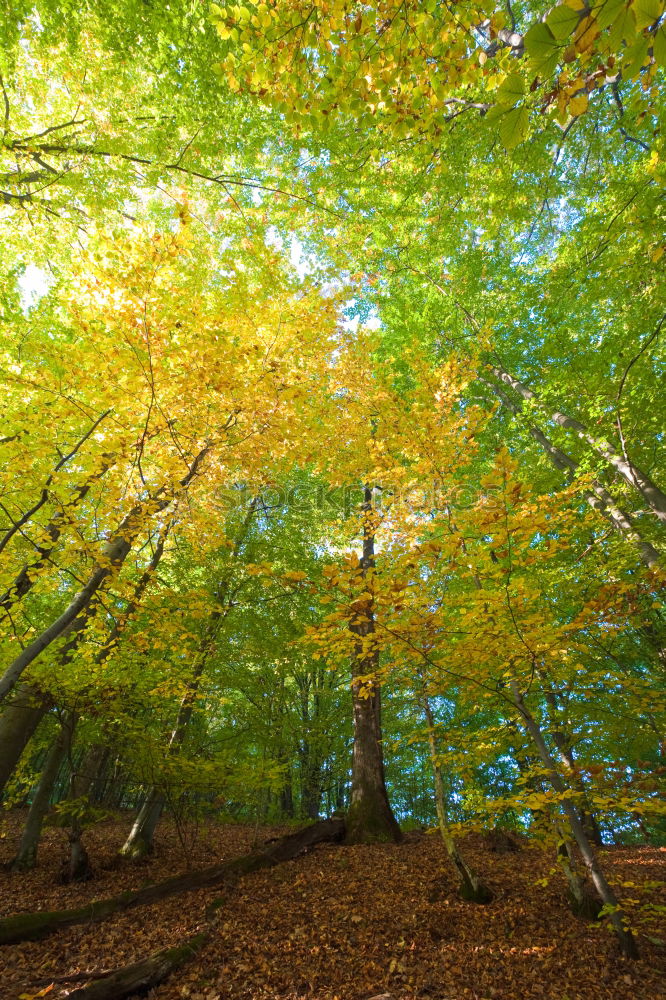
{"x": 340, "y": 922}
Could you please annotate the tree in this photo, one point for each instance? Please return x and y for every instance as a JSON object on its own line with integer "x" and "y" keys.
{"x": 388, "y": 278}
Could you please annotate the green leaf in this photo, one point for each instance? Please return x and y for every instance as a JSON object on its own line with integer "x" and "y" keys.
{"x": 659, "y": 46}
{"x": 513, "y": 128}
{"x": 635, "y": 56}
{"x": 647, "y": 12}
{"x": 609, "y": 11}
{"x": 539, "y": 41}
{"x": 562, "y": 21}
{"x": 511, "y": 90}
{"x": 542, "y": 48}
{"x": 624, "y": 28}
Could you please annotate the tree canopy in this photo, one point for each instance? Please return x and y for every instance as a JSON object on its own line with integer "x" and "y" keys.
{"x": 331, "y": 345}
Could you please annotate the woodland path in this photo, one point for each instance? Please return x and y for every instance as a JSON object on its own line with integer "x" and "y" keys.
{"x": 345, "y": 922}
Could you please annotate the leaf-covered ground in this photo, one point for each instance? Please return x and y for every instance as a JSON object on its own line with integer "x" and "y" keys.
{"x": 345, "y": 922}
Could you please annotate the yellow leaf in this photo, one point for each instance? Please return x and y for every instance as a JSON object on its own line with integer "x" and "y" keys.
{"x": 578, "y": 104}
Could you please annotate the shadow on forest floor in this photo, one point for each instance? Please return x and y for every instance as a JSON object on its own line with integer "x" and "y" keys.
{"x": 345, "y": 922}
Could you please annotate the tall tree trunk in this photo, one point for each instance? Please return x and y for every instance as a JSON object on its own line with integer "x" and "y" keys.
{"x": 370, "y": 817}
{"x": 287, "y": 796}
{"x": 116, "y": 784}
{"x": 114, "y": 554}
{"x": 598, "y": 497}
{"x": 22, "y": 714}
{"x": 309, "y": 750}
{"x": 26, "y": 856}
{"x": 78, "y": 868}
{"x": 606, "y": 894}
{"x": 566, "y": 753}
{"x": 140, "y": 839}
{"x": 472, "y": 888}
{"x": 311, "y": 782}
{"x": 98, "y": 786}
{"x": 583, "y": 901}
{"x": 630, "y": 472}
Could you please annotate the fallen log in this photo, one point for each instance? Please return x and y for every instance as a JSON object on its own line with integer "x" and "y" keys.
{"x": 31, "y": 926}
{"x": 141, "y": 975}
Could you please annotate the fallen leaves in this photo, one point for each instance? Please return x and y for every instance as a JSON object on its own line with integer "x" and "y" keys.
{"x": 356, "y": 923}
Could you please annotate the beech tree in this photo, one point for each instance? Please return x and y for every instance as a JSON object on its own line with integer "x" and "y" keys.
{"x": 332, "y": 454}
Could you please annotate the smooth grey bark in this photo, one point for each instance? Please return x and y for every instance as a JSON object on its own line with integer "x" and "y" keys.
{"x": 18, "y": 722}
{"x": 80, "y": 783}
{"x": 139, "y": 590}
{"x": 630, "y": 472}
{"x": 140, "y": 839}
{"x": 597, "y": 877}
{"x": 115, "y": 553}
{"x": 472, "y": 888}
{"x": 79, "y": 866}
{"x": 113, "y": 556}
{"x": 566, "y": 753}
{"x": 584, "y": 902}
{"x": 26, "y": 856}
{"x": 370, "y": 818}
{"x": 599, "y": 498}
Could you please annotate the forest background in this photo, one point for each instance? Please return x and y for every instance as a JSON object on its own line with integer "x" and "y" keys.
{"x": 331, "y": 360}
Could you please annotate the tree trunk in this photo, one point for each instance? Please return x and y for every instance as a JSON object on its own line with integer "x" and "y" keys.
{"x": 598, "y": 497}
{"x": 79, "y": 864}
{"x": 606, "y": 894}
{"x": 98, "y": 784}
{"x": 78, "y": 868}
{"x": 142, "y": 975}
{"x": 311, "y": 783}
{"x": 22, "y": 714}
{"x": 584, "y": 902}
{"x": 471, "y": 888}
{"x": 370, "y": 817}
{"x": 140, "y": 841}
{"x": 565, "y": 751}
{"x": 287, "y": 798}
{"x": 114, "y": 554}
{"x": 630, "y": 472}
{"x": 26, "y": 856}
{"x": 310, "y": 750}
